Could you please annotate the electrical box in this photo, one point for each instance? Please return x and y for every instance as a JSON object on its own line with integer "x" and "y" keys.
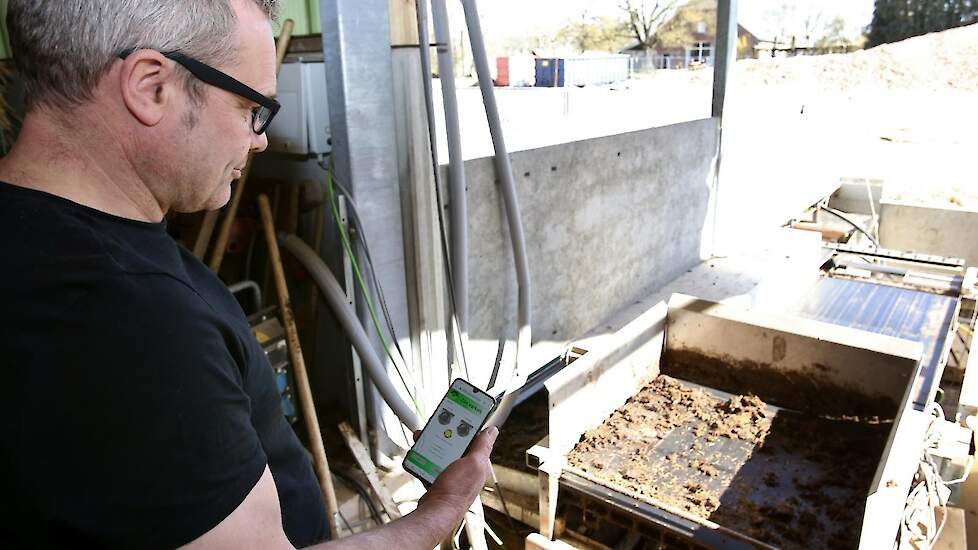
{"x": 302, "y": 124}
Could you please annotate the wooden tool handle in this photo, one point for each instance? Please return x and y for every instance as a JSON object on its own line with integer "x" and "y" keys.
{"x": 320, "y": 463}
{"x": 282, "y": 45}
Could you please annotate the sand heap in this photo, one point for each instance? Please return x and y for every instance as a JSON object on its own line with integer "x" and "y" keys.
{"x": 936, "y": 61}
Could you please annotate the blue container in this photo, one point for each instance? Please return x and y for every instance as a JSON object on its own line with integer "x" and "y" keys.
{"x": 550, "y": 73}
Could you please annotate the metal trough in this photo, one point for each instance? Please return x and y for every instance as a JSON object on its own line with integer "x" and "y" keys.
{"x": 850, "y": 388}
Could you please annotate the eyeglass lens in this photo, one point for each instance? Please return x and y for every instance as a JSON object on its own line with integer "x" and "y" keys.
{"x": 261, "y": 118}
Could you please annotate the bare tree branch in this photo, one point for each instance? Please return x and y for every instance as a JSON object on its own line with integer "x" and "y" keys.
{"x": 645, "y": 18}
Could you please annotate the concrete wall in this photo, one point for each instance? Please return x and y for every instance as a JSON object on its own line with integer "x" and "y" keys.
{"x": 854, "y": 194}
{"x": 930, "y": 230}
{"x": 607, "y": 221}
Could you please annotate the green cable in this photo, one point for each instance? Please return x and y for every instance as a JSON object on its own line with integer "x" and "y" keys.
{"x": 334, "y": 207}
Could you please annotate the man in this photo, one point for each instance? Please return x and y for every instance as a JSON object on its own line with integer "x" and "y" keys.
{"x": 138, "y": 410}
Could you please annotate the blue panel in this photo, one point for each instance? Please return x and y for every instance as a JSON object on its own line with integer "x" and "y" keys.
{"x": 903, "y": 313}
{"x": 549, "y": 73}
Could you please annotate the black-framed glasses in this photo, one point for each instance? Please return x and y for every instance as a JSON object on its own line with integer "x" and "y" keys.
{"x": 261, "y": 116}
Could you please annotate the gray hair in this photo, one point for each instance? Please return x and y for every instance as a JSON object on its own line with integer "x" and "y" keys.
{"x": 62, "y": 49}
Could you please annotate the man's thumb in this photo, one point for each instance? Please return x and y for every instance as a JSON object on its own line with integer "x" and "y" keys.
{"x": 489, "y": 438}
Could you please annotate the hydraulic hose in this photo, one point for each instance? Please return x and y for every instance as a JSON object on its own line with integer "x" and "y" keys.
{"x": 508, "y": 189}
{"x": 456, "y": 171}
{"x": 336, "y": 298}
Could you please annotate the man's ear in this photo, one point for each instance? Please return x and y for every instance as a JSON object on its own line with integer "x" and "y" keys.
{"x": 148, "y": 83}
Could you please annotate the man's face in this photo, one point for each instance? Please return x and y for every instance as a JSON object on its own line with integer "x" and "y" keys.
{"x": 217, "y": 133}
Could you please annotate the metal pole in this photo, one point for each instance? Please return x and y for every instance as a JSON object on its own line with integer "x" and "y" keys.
{"x": 726, "y": 52}
{"x": 725, "y": 56}
{"x": 456, "y": 166}
{"x": 359, "y": 85}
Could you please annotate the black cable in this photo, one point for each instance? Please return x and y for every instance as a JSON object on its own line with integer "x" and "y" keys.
{"x": 355, "y": 217}
{"x": 425, "y": 53}
{"x": 857, "y": 227}
{"x": 502, "y": 499}
{"x": 355, "y": 484}
{"x": 345, "y": 522}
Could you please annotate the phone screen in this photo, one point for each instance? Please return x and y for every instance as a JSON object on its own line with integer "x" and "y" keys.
{"x": 447, "y": 436}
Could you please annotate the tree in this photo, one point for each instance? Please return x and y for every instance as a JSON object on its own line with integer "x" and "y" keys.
{"x": 595, "y": 34}
{"x": 795, "y": 24}
{"x": 834, "y": 34}
{"x": 646, "y": 16}
{"x": 895, "y": 20}
{"x": 810, "y": 23}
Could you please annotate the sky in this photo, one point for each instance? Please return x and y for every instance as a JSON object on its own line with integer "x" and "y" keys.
{"x": 510, "y": 18}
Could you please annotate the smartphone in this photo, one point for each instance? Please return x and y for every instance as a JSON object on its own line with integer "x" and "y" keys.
{"x": 449, "y": 432}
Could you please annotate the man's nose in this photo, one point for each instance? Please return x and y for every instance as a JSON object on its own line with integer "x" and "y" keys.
{"x": 259, "y": 143}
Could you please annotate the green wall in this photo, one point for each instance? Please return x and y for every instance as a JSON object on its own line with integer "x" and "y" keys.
{"x": 4, "y": 42}
{"x": 305, "y": 13}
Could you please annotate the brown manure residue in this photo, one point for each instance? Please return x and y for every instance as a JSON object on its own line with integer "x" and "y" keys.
{"x": 780, "y": 477}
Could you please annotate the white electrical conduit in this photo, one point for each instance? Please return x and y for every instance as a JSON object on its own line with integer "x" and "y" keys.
{"x": 337, "y": 301}
{"x": 456, "y": 165}
{"x": 475, "y": 517}
{"x": 458, "y": 337}
{"x": 508, "y": 189}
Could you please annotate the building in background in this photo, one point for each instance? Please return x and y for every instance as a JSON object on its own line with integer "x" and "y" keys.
{"x": 688, "y": 40}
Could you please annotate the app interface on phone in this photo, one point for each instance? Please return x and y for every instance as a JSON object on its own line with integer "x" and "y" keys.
{"x": 459, "y": 416}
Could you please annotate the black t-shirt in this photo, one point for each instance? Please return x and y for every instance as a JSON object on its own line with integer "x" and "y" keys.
{"x": 136, "y": 408}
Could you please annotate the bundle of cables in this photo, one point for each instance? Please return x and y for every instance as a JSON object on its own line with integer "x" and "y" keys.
{"x": 926, "y": 511}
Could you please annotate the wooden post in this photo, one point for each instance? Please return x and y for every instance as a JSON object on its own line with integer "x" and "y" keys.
{"x": 320, "y": 463}
{"x": 404, "y": 23}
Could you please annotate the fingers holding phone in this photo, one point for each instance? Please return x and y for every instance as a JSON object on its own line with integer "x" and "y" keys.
{"x": 450, "y": 431}
{"x": 459, "y": 484}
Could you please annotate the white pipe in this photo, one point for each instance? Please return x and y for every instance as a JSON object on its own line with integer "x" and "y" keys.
{"x": 456, "y": 171}
{"x": 508, "y": 189}
{"x": 474, "y": 520}
{"x": 336, "y": 298}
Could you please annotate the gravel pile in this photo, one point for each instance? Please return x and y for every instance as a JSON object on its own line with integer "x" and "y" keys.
{"x": 937, "y": 61}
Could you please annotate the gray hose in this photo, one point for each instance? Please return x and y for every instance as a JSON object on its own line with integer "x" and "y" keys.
{"x": 456, "y": 172}
{"x": 337, "y": 301}
{"x": 508, "y": 189}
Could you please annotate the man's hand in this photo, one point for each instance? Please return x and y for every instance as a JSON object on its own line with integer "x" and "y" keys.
{"x": 456, "y": 488}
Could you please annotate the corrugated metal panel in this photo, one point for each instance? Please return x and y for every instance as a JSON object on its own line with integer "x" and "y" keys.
{"x": 595, "y": 70}
{"x": 903, "y": 313}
